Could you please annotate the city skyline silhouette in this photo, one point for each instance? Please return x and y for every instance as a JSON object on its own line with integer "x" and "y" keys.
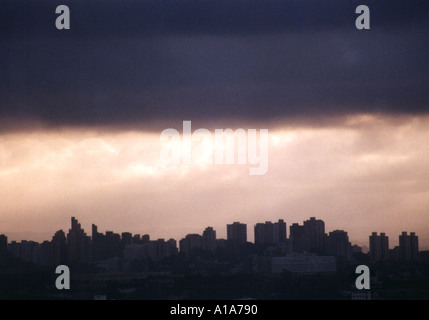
{"x": 325, "y": 119}
{"x": 261, "y": 236}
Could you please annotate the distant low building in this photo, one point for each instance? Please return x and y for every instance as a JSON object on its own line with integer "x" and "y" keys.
{"x": 356, "y": 249}
{"x": 304, "y": 264}
{"x": 152, "y": 250}
{"x": 361, "y": 295}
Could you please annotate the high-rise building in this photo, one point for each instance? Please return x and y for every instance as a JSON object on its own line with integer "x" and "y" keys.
{"x": 59, "y": 242}
{"x": 99, "y": 245}
{"x": 127, "y": 238}
{"x": 165, "y": 249}
{"x": 190, "y": 243}
{"x": 78, "y": 244}
{"x": 297, "y": 237}
{"x": 339, "y": 245}
{"x": 408, "y": 247}
{"x": 280, "y": 231}
{"x": 3, "y": 245}
{"x": 414, "y": 246}
{"x": 237, "y": 233}
{"x": 209, "y": 239}
{"x": 378, "y": 247}
{"x": 113, "y": 244}
{"x": 270, "y": 233}
{"x": 384, "y": 241}
{"x": 137, "y": 239}
{"x": 173, "y": 247}
{"x": 315, "y": 236}
{"x": 145, "y": 238}
{"x": 29, "y": 251}
{"x": 14, "y": 249}
{"x": 264, "y": 233}
{"x": 46, "y": 254}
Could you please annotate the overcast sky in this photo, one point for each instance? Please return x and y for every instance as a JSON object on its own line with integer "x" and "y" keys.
{"x": 81, "y": 112}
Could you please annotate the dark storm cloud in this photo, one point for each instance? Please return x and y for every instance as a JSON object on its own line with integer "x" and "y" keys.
{"x": 137, "y": 17}
{"x": 144, "y": 61}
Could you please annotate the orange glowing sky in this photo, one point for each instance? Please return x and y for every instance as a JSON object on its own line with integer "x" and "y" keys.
{"x": 360, "y": 173}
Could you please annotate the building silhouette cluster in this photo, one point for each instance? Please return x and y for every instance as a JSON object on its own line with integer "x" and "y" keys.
{"x": 407, "y": 251}
{"x": 270, "y": 233}
{"x": 282, "y": 261}
{"x": 307, "y": 245}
